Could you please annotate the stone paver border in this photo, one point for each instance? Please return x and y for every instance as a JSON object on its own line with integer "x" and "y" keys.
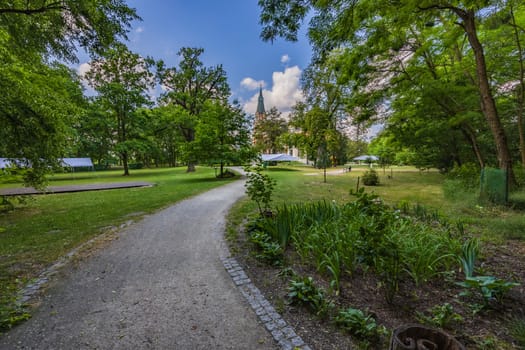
{"x": 283, "y": 333}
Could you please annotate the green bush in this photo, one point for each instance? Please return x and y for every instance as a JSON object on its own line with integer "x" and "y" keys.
{"x": 490, "y": 287}
{"x": 467, "y": 174}
{"x": 303, "y": 291}
{"x": 370, "y": 178}
{"x": 259, "y": 187}
{"x": 361, "y": 325}
{"x": 442, "y": 316}
{"x": 268, "y": 250}
{"x": 366, "y": 234}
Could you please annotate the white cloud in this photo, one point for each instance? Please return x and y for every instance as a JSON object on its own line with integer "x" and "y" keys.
{"x": 83, "y": 69}
{"x": 252, "y": 84}
{"x": 284, "y": 94}
{"x": 139, "y": 30}
{"x": 285, "y": 59}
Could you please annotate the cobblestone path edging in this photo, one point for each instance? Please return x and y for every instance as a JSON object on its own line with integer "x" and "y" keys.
{"x": 283, "y": 333}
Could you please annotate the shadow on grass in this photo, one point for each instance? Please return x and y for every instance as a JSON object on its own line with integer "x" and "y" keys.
{"x": 208, "y": 179}
{"x": 113, "y": 174}
{"x": 281, "y": 169}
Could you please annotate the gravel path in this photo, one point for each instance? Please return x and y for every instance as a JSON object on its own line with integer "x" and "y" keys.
{"x": 161, "y": 285}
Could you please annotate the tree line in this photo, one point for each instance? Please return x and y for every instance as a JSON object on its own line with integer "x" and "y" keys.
{"x": 445, "y": 78}
{"x": 45, "y": 115}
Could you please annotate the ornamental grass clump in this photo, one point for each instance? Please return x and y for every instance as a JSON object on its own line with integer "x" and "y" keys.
{"x": 365, "y": 235}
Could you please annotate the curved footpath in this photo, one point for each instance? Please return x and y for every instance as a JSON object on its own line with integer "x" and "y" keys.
{"x": 166, "y": 283}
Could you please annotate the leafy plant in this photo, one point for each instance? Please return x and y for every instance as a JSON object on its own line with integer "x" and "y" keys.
{"x": 468, "y": 257}
{"x": 268, "y": 250}
{"x": 303, "y": 291}
{"x": 332, "y": 262}
{"x": 442, "y": 316}
{"x": 490, "y": 287}
{"x": 370, "y": 178}
{"x": 388, "y": 266}
{"x": 359, "y": 324}
{"x": 259, "y": 187}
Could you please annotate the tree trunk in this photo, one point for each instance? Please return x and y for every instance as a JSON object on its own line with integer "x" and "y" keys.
{"x": 521, "y": 89}
{"x": 488, "y": 104}
{"x": 191, "y": 167}
{"x": 123, "y": 137}
{"x": 125, "y": 163}
{"x": 189, "y": 136}
{"x": 471, "y": 138}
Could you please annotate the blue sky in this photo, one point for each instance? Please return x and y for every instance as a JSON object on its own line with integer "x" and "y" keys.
{"x": 228, "y": 31}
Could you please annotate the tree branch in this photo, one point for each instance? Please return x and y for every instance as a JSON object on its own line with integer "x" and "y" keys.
{"x": 461, "y": 13}
{"x": 31, "y": 11}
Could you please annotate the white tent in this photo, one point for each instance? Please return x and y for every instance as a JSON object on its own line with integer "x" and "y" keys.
{"x": 280, "y": 157}
{"x": 8, "y": 163}
{"x": 77, "y": 163}
{"x": 365, "y": 158}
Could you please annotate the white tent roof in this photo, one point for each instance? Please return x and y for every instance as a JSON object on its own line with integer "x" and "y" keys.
{"x": 281, "y": 157}
{"x": 366, "y": 157}
{"x": 7, "y": 163}
{"x": 77, "y": 162}
{"x": 70, "y": 162}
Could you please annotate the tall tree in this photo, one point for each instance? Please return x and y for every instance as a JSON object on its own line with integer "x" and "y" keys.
{"x": 190, "y": 86}
{"x": 39, "y": 98}
{"x": 123, "y": 81}
{"x": 222, "y": 135}
{"x": 38, "y": 105}
{"x": 267, "y": 131}
{"x": 58, "y": 27}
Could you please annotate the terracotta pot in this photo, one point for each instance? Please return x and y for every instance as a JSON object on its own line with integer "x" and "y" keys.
{"x": 416, "y": 337}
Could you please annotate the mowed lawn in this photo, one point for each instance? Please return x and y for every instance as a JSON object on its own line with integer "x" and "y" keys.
{"x": 398, "y": 186}
{"x": 48, "y": 226}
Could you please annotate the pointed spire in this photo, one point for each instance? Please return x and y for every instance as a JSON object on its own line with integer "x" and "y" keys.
{"x": 260, "y": 103}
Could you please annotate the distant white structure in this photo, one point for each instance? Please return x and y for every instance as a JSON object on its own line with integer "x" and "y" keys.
{"x": 365, "y": 158}
{"x": 65, "y": 162}
{"x": 280, "y": 157}
{"x": 77, "y": 163}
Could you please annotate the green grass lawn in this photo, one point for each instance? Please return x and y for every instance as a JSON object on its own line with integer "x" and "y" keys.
{"x": 397, "y": 185}
{"x": 48, "y": 226}
{"x": 36, "y": 234}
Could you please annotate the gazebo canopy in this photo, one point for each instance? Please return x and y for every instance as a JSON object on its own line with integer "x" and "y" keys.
{"x": 280, "y": 157}
{"x": 77, "y": 162}
{"x": 367, "y": 157}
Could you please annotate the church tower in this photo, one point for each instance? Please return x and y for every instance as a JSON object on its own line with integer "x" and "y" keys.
{"x": 260, "y": 113}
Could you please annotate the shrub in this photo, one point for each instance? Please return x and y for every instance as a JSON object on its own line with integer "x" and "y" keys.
{"x": 442, "y": 316}
{"x": 363, "y": 326}
{"x": 303, "y": 291}
{"x": 370, "y": 178}
{"x": 259, "y": 187}
{"x": 467, "y": 174}
{"x": 268, "y": 250}
{"x": 490, "y": 287}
